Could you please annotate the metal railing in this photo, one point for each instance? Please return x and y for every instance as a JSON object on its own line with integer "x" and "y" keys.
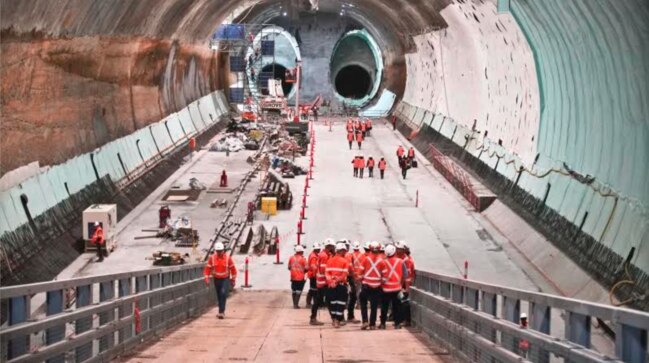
{"x": 480, "y": 322}
{"x": 110, "y": 315}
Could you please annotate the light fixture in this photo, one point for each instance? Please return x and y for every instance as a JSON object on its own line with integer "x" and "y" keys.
{"x": 284, "y": 13}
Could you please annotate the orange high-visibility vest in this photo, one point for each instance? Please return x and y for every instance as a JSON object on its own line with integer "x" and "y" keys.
{"x": 321, "y": 280}
{"x": 350, "y": 258}
{"x": 350, "y": 136}
{"x": 400, "y": 151}
{"x": 337, "y": 271}
{"x": 192, "y": 144}
{"x": 357, "y": 260}
{"x": 298, "y": 266}
{"x": 313, "y": 264}
{"x": 393, "y": 274}
{"x": 359, "y": 137}
{"x": 361, "y": 163}
{"x": 411, "y": 153}
{"x": 372, "y": 268}
{"x": 382, "y": 164}
{"x": 220, "y": 267}
{"x": 98, "y": 236}
{"x": 410, "y": 265}
{"x": 370, "y": 163}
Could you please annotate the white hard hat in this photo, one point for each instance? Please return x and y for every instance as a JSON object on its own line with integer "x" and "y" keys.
{"x": 341, "y": 247}
{"x": 329, "y": 242}
{"x": 96, "y": 223}
{"x": 299, "y": 248}
{"x": 375, "y": 245}
{"x": 317, "y": 246}
{"x": 219, "y": 247}
{"x": 390, "y": 250}
{"x": 400, "y": 244}
{"x": 523, "y": 316}
{"x": 366, "y": 246}
{"x": 357, "y": 246}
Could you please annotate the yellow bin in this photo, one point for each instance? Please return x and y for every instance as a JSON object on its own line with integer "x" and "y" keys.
{"x": 269, "y": 205}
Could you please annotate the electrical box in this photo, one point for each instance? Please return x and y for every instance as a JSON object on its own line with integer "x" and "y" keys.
{"x": 106, "y": 215}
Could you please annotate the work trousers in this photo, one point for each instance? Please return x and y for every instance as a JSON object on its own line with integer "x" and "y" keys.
{"x": 351, "y": 301}
{"x": 391, "y": 298}
{"x": 222, "y": 287}
{"x": 100, "y": 251}
{"x": 403, "y": 172}
{"x": 350, "y": 145}
{"x": 310, "y": 295}
{"x": 370, "y": 172}
{"x": 360, "y": 172}
{"x": 382, "y": 173}
{"x": 373, "y": 296}
{"x": 318, "y": 301}
{"x": 296, "y": 288}
{"x": 337, "y": 301}
{"x": 359, "y": 145}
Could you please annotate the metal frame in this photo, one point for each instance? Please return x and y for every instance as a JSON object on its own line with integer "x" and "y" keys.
{"x": 470, "y": 310}
{"x": 163, "y": 296}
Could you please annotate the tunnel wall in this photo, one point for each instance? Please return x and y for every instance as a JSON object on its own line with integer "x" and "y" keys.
{"x": 57, "y": 196}
{"x": 588, "y": 180}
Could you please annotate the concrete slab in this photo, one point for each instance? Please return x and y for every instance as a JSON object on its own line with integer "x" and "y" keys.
{"x": 262, "y": 326}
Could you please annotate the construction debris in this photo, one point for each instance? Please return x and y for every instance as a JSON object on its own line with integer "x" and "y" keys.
{"x": 274, "y": 187}
{"x": 162, "y": 258}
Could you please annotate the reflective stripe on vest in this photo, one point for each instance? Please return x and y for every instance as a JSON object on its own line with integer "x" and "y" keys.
{"x": 368, "y": 279}
{"x": 220, "y": 275}
{"x": 393, "y": 281}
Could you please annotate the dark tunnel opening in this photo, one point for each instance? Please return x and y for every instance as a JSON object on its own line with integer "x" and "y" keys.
{"x": 278, "y": 72}
{"x": 353, "y": 82}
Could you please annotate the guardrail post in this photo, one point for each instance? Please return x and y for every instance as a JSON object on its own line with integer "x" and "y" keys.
{"x": 84, "y": 298}
{"x": 106, "y": 292}
{"x": 457, "y": 292}
{"x": 445, "y": 289}
{"x": 18, "y": 313}
{"x": 472, "y": 298}
{"x": 511, "y": 312}
{"x": 154, "y": 283}
{"x": 141, "y": 285}
{"x": 125, "y": 310}
{"x": 57, "y": 333}
{"x": 631, "y": 343}
{"x": 578, "y": 329}
{"x": 490, "y": 306}
{"x": 540, "y": 321}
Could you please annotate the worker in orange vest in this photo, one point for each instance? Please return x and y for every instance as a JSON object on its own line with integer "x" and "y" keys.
{"x": 393, "y": 280}
{"x": 321, "y": 280}
{"x": 350, "y": 138}
{"x": 370, "y": 167}
{"x": 382, "y": 165}
{"x": 192, "y": 146}
{"x": 363, "y": 128}
{"x": 403, "y": 252}
{"x": 355, "y": 165}
{"x": 368, "y": 126}
{"x": 371, "y": 269}
{"x": 297, "y": 265}
{"x": 336, "y": 274}
{"x": 357, "y": 258}
{"x": 350, "y": 125}
{"x": 99, "y": 241}
{"x": 400, "y": 152}
{"x": 351, "y": 281}
{"x": 312, "y": 262}
{"x": 224, "y": 180}
{"x": 361, "y": 166}
{"x": 359, "y": 138}
{"x": 221, "y": 267}
{"x": 411, "y": 153}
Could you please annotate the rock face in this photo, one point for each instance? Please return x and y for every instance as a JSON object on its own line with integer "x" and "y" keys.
{"x": 64, "y": 97}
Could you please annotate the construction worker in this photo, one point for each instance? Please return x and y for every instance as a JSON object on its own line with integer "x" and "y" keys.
{"x": 311, "y": 274}
{"x": 368, "y": 126}
{"x": 361, "y": 166}
{"x": 370, "y": 167}
{"x": 357, "y": 259}
{"x": 99, "y": 241}
{"x": 351, "y": 281}
{"x": 221, "y": 267}
{"x": 350, "y": 125}
{"x": 297, "y": 265}
{"x": 359, "y": 138}
{"x": 355, "y": 165}
{"x": 336, "y": 274}
{"x": 224, "y": 180}
{"x": 321, "y": 280}
{"x": 371, "y": 269}
{"x": 400, "y": 152}
{"x": 192, "y": 146}
{"x": 411, "y": 153}
{"x": 382, "y": 165}
{"x": 363, "y": 128}
{"x": 403, "y": 252}
{"x": 393, "y": 280}
{"x": 350, "y": 138}
{"x": 404, "y": 164}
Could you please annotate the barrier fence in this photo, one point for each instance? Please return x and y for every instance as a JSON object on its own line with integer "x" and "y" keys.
{"x": 110, "y": 315}
{"x": 481, "y": 322}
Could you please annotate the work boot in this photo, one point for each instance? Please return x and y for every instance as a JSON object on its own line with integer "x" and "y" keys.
{"x": 342, "y": 323}
{"x": 315, "y": 321}
{"x": 365, "y": 326}
{"x": 397, "y": 326}
{"x": 295, "y": 299}
{"x": 220, "y": 316}
{"x": 336, "y": 324}
{"x": 382, "y": 327}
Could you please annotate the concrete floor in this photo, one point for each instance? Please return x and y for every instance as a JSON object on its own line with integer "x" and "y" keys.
{"x": 262, "y": 326}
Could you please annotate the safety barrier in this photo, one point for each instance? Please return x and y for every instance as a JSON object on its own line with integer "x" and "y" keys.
{"x": 100, "y": 317}
{"x": 481, "y": 322}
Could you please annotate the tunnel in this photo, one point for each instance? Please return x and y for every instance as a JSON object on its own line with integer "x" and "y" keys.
{"x": 278, "y": 71}
{"x": 538, "y": 107}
